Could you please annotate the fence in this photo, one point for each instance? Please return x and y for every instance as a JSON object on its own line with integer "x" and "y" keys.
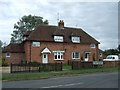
{"x": 15, "y": 68}
{"x": 78, "y": 65}
{"x": 111, "y": 64}
{"x": 106, "y": 64}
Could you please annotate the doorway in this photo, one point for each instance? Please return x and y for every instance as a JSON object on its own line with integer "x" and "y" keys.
{"x": 45, "y": 58}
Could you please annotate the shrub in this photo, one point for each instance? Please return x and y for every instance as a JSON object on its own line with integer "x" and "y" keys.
{"x": 3, "y": 62}
{"x": 23, "y": 61}
{"x": 82, "y": 58}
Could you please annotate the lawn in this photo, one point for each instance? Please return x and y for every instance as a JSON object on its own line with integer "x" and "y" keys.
{"x": 51, "y": 74}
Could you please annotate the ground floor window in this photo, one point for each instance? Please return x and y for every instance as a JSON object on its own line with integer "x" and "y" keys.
{"x": 75, "y": 55}
{"x": 58, "y": 55}
{"x": 8, "y": 54}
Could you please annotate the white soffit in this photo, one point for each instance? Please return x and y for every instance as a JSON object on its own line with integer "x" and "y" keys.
{"x": 46, "y": 50}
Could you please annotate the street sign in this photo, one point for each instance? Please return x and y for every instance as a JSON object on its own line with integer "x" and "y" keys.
{"x": 97, "y": 62}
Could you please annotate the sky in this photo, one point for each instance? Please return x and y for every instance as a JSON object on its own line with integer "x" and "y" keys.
{"x": 98, "y": 19}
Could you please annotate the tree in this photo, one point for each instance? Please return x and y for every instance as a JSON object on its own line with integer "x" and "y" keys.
{"x": 111, "y": 52}
{"x": 26, "y": 23}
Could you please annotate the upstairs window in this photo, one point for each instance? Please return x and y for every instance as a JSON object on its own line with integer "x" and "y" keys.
{"x": 58, "y": 38}
{"x": 36, "y": 44}
{"x": 8, "y": 54}
{"x": 92, "y": 46}
{"x": 75, "y": 55}
{"x": 76, "y": 39}
{"x": 101, "y": 54}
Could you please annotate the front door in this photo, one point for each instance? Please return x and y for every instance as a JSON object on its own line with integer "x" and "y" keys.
{"x": 45, "y": 58}
{"x": 86, "y": 56}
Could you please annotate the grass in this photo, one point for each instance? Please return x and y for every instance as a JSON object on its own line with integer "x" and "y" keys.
{"x": 67, "y": 67}
{"x": 81, "y": 71}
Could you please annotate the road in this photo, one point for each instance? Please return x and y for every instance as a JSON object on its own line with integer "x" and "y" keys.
{"x": 99, "y": 80}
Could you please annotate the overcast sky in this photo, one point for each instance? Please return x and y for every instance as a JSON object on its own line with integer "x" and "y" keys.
{"x": 99, "y": 19}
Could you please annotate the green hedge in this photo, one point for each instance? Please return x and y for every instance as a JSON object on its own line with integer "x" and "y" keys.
{"x": 3, "y": 62}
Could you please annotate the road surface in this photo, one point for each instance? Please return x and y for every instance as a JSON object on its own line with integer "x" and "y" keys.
{"x": 99, "y": 80}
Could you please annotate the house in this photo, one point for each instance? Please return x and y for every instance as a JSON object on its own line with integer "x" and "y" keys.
{"x": 50, "y": 44}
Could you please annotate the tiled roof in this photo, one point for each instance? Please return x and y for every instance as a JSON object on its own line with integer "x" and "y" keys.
{"x": 47, "y": 33}
{"x": 14, "y": 48}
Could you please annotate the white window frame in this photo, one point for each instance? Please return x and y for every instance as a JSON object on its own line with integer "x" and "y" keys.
{"x": 101, "y": 54}
{"x": 92, "y": 45}
{"x": 76, "y": 39}
{"x": 36, "y": 44}
{"x": 73, "y": 55}
{"x": 58, "y": 38}
{"x": 7, "y": 54}
{"x": 60, "y": 55}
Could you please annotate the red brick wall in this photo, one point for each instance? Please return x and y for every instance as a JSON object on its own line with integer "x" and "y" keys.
{"x": 15, "y": 58}
{"x": 27, "y": 47}
{"x": 35, "y": 54}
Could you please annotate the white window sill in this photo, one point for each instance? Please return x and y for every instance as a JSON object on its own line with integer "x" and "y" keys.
{"x": 75, "y": 42}
{"x": 92, "y": 47}
{"x": 7, "y": 56}
{"x": 58, "y": 59}
{"x": 75, "y": 58}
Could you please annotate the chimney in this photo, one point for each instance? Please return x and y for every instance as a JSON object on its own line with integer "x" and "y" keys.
{"x": 61, "y": 24}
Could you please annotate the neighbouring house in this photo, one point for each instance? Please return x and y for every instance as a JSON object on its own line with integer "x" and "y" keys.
{"x": 50, "y": 44}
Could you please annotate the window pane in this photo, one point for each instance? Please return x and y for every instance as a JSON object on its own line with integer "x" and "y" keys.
{"x": 73, "y": 55}
{"x": 8, "y": 54}
{"x": 76, "y": 39}
{"x": 58, "y": 55}
{"x": 55, "y": 56}
{"x": 36, "y": 44}
{"x": 58, "y": 38}
{"x": 76, "y": 55}
{"x": 92, "y": 45}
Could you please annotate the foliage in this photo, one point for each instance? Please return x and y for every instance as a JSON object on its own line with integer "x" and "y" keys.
{"x": 23, "y": 61}
{"x": 26, "y": 23}
{"x": 82, "y": 58}
{"x": 3, "y": 62}
{"x": 111, "y": 52}
{"x": 67, "y": 67}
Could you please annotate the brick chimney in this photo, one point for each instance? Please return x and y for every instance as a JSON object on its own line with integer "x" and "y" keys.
{"x": 61, "y": 24}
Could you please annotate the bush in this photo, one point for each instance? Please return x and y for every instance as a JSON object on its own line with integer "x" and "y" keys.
{"x": 3, "y": 62}
{"x": 23, "y": 61}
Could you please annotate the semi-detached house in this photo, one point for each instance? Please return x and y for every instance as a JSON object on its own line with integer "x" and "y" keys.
{"x": 50, "y": 44}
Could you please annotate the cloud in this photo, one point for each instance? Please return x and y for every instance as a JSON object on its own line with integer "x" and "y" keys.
{"x": 100, "y": 20}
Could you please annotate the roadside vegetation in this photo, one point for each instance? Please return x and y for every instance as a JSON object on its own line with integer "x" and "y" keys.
{"x": 3, "y": 62}
{"x": 61, "y": 73}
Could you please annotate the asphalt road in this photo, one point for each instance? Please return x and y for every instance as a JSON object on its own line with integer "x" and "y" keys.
{"x": 99, "y": 80}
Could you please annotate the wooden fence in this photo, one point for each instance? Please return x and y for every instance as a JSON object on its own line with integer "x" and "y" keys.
{"x": 111, "y": 64}
{"x": 15, "y": 68}
{"x": 106, "y": 64}
{"x": 78, "y": 65}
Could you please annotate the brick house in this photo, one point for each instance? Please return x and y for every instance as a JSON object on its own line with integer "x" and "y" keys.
{"x": 50, "y": 44}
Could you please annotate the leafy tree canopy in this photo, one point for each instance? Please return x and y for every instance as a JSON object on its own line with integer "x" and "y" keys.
{"x": 26, "y": 23}
{"x": 111, "y": 52}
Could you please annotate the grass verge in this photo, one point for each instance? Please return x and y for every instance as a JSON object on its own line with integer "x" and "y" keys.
{"x": 72, "y": 72}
